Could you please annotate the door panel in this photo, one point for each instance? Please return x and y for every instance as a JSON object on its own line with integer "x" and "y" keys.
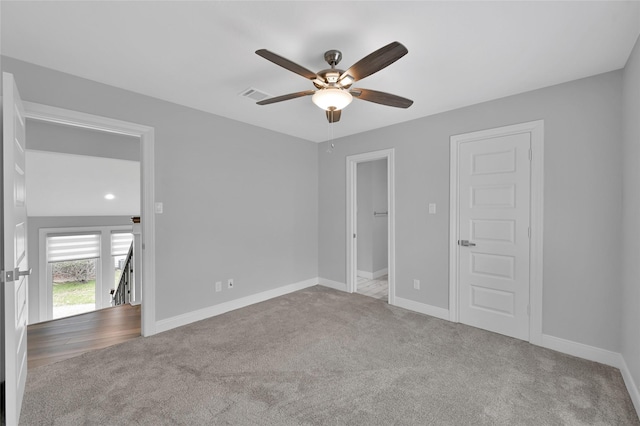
{"x": 492, "y": 266}
{"x": 494, "y": 212}
{"x": 494, "y": 230}
{"x": 15, "y": 265}
{"x": 494, "y": 301}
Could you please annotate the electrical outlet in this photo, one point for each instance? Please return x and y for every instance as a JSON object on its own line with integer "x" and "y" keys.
{"x": 218, "y": 286}
{"x": 230, "y": 283}
{"x": 416, "y": 284}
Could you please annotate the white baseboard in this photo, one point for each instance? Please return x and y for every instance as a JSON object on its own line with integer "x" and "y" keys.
{"x": 380, "y": 273}
{"x": 365, "y": 274}
{"x": 373, "y": 275}
{"x": 581, "y": 350}
{"x": 211, "y": 311}
{"x": 336, "y": 285}
{"x": 422, "y": 308}
{"x": 632, "y": 387}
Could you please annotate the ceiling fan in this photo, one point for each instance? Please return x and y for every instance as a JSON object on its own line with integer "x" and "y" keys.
{"x": 334, "y": 85}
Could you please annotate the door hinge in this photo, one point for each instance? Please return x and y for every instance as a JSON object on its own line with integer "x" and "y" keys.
{"x": 529, "y": 310}
{"x": 530, "y": 154}
{"x": 354, "y": 235}
{"x": 529, "y": 232}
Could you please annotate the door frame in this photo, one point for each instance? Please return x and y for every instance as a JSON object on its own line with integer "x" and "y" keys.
{"x": 536, "y": 129}
{"x": 352, "y": 217}
{"x": 50, "y": 114}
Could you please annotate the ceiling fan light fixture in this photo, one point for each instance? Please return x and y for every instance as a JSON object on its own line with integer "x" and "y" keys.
{"x": 347, "y": 80}
{"x": 332, "y": 98}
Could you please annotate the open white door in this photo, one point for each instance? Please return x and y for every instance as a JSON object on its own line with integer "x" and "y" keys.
{"x": 14, "y": 267}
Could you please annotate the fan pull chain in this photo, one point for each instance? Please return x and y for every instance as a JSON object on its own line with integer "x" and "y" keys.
{"x": 330, "y": 144}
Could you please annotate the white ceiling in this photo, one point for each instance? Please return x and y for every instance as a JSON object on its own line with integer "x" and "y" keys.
{"x": 75, "y": 185}
{"x": 201, "y": 54}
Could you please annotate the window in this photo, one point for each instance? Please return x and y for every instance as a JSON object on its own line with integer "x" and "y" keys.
{"x": 72, "y": 271}
{"x": 87, "y": 260}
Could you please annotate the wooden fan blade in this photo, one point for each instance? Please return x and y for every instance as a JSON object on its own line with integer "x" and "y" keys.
{"x": 286, "y": 97}
{"x": 376, "y": 61}
{"x": 287, "y": 64}
{"x": 382, "y": 98}
{"x": 334, "y": 115}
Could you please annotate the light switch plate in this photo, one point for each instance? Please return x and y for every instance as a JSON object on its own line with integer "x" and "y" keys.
{"x": 159, "y": 208}
{"x": 432, "y": 208}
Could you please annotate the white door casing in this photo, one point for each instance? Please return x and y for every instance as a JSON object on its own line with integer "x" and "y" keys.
{"x": 496, "y": 205}
{"x": 15, "y": 262}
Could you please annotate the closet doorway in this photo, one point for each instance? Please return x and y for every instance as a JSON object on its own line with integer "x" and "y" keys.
{"x": 370, "y": 224}
{"x": 372, "y": 229}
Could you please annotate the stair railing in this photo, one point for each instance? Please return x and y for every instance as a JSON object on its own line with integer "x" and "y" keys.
{"x": 122, "y": 293}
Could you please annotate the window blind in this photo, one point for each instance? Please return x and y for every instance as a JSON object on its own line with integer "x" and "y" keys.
{"x": 120, "y": 243}
{"x": 73, "y": 247}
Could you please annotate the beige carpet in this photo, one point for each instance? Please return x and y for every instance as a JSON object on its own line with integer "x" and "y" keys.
{"x": 323, "y": 357}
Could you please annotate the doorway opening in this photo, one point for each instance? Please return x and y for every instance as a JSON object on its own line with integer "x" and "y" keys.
{"x": 371, "y": 224}
{"x": 145, "y": 229}
{"x": 78, "y": 178}
{"x": 372, "y": 229}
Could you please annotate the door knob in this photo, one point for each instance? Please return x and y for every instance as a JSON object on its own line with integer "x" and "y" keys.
{"x": 26, "y": 273}
{"x": 466, "y": 243}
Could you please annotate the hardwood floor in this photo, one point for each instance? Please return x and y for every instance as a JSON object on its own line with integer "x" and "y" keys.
{"x": 53, "y": 341}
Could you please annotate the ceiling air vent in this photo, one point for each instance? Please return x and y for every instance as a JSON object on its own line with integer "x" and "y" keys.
{"x": 254, "y": 94}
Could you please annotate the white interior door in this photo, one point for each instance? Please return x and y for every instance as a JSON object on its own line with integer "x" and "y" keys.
{"x": 494, "y": 176}
{"x": 15, "y": 267}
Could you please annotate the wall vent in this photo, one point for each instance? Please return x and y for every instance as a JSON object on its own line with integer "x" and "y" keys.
{"x": 255, "y": 94}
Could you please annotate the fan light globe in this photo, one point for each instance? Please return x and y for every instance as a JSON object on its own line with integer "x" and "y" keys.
{"x": 332, "y": 98}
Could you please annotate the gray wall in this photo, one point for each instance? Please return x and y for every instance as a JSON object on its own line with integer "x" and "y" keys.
{"x": 630, "y": 301}
{"x": 239, "y": 201}
{"x": 43, "y": 136}
{"x": 582, "y": 201}
{"x": 365, "y": 217}
{"x": 34, "y": 224}
{"x": 379, "y": 200}
{"x": 372, "y": 230}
